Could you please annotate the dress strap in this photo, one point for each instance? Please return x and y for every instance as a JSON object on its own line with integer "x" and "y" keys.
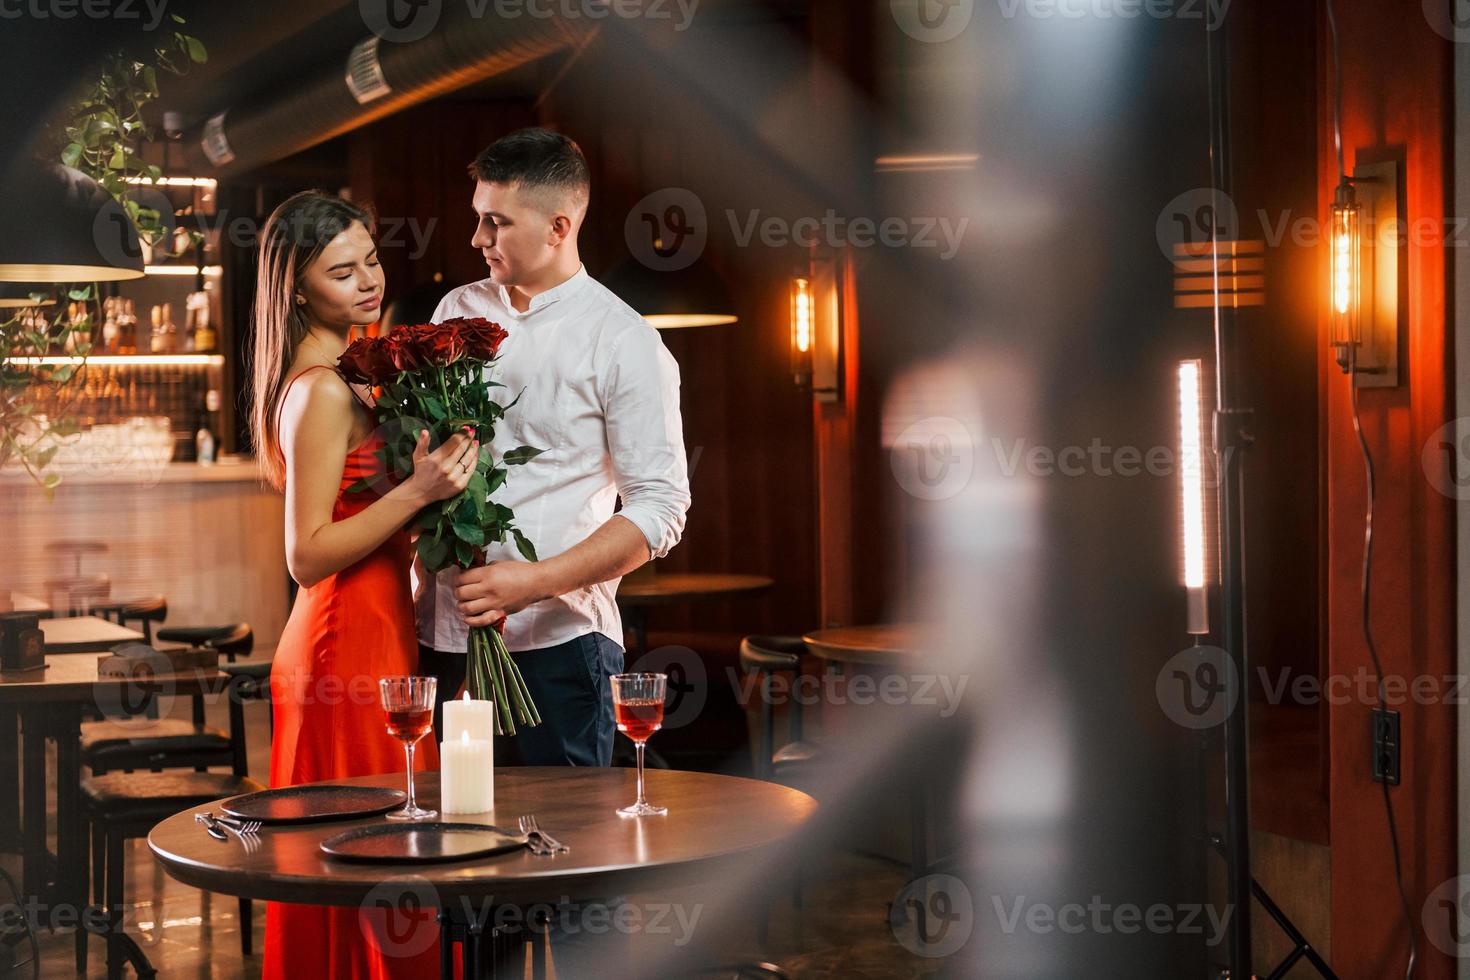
{"x": 281, "y": 399}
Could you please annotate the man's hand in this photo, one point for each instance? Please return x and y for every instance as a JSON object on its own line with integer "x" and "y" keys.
{"x": 489, "y": 593}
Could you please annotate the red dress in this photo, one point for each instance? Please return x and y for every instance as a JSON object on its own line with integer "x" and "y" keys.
{"x": 346, "y": 632}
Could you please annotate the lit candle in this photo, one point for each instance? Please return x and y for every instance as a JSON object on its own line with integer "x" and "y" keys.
{"x": 466, "y": 774}
{"x": 467, "y": 715}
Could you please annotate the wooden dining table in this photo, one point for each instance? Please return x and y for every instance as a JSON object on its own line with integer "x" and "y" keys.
{"x": 878, "y": 645}
{"x": 49, "y": 703}
{"x": 715, "y": 823}
{"x": 638, "y": 593}
{"x": 85, "y": 634}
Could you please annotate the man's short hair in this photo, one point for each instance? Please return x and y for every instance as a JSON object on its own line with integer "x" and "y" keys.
{"x": 537, "y": 160}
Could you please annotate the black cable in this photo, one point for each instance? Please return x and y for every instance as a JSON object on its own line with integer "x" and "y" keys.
{"x": 1367, "y": 578}
{"x": 1393, "y": 832}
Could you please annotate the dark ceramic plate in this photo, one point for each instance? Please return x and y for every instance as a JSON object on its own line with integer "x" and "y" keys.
{"x": 419, "y": 843}
{"x": 313, "y": 804}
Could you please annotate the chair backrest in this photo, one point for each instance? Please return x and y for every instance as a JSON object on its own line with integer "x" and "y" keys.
{"x": 238, "y": 642}
{"x": 771, "y": 653}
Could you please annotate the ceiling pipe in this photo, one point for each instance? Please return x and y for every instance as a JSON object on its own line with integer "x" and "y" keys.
{"x": 388, "y": 76}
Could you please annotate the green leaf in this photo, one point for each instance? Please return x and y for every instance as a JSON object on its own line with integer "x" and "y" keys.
{"x": 524, "y": 545}
{"x": 433, "y": 551}
{"x": 195, "y": 48}
{"x": 521, "y": 454}
{"x": 464, "y": 553}
{"x": 72, "y": 154}
{"x": 472, "y": 534}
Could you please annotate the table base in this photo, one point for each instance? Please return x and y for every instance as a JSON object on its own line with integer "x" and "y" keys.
{"x": 486, "y": 953}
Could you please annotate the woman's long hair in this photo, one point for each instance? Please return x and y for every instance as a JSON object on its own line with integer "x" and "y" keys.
{"x": 294, "y": 235}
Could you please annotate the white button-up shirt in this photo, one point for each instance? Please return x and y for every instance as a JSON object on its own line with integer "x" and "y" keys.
{"x": 601, "y": 397}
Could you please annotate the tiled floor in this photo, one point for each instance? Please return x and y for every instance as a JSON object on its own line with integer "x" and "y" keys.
{"x": 841, "y": 929}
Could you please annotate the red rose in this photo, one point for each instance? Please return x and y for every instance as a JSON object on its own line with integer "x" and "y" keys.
{"x": 399, "y": 347}
{"x": 365, "y": 362}
{"x": 439, "y": 344}
{"x": 481, "y": 337}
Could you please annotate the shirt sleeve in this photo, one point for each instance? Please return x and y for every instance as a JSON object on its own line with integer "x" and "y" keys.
{"x": 645, "y": 436}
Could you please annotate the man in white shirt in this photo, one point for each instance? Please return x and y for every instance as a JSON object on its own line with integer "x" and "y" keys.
{"x": 601, "y": 399}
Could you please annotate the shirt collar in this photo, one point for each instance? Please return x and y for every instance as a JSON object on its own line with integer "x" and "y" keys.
{"x": 541, "y": 300}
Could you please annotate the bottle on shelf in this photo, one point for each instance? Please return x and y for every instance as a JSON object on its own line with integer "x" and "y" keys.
{"x": 155, "y": 333}
{"x": 200, "y": 328}
{"x": 109, "y": 343}
{"x": 206, "y": 443}
{"x": 170, "y": 331}
{"x": 127, "y": 328}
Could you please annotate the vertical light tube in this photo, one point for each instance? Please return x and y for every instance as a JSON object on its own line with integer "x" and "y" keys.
{"x": 801, "y": 329}
{"x": 1193, "y": 540}
{"x": 1345, "y": 273}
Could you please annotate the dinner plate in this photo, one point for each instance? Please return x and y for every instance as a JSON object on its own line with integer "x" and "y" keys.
{"x": 313, "y": 803}
{"x": 420, "y": 843}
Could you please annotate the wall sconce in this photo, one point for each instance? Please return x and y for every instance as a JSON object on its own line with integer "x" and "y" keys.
{"x": 1197, "y": 527}
{"x": 816, "y": 329}
{"x": 1363, "y": 312}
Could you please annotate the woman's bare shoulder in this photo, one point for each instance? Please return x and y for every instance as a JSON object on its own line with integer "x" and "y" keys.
{"x": 317, "y": 393}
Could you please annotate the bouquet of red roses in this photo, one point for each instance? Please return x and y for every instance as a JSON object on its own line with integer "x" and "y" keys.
{"x": 432, "y": 376}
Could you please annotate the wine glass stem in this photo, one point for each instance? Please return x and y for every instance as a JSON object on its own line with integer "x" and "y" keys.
{"x": 641, "y": 800}
{"x": 412, "y": 803}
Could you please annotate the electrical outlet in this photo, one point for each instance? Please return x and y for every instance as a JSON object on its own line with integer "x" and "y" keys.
{"x": 1385, "y": 746}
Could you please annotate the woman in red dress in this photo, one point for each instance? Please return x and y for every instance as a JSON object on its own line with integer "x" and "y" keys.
{"x": 350, "y": 552}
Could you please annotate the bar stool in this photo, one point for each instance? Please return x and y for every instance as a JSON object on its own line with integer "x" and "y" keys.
{"x": 117, "y": 808}
{"x": 77, "y": 595}
{"x": 768, "y": 656}
{"x": 145, "y": 612}
{"x": 74, "y": 550}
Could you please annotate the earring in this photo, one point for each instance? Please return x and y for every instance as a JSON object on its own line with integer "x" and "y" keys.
{"x": 301, "y": 301}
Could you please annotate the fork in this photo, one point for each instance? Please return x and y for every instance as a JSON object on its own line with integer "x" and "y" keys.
{"x": 240, "y": 828}
{"x": 529, "y": 826}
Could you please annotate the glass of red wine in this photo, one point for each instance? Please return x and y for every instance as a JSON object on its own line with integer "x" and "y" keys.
{"x": 638, "y": 702}
{"x": 409, "y": 703}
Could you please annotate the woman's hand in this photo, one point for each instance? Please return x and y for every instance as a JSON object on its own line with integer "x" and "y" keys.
{"x": 443, "y": 473}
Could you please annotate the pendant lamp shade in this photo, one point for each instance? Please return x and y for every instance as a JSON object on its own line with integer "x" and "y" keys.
{"x": 691, "y": 297}
{"x": 59, "y": 225}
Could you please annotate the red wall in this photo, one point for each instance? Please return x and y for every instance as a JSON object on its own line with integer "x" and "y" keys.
{"x": 1396, "y": 101}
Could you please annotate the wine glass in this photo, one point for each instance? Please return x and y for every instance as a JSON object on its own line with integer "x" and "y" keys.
{"x": 409, "y": 702}
{"x": 638, "y": 702}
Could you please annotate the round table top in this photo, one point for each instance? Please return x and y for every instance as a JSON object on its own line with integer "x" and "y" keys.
{"x": 880, "y": 645}
{"x": 712, "y": 820}
{"x": 667, "y": 588}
